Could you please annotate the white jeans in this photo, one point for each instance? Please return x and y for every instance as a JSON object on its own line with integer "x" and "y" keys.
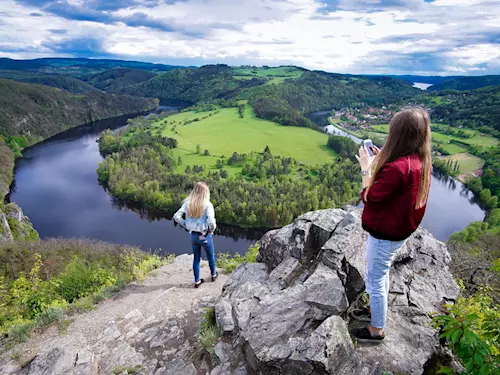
{"x": 379, "y": 255}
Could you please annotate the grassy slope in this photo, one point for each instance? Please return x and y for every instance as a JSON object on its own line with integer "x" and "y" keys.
{"x": 277, "y": 75}
{"x": 225, "y": 133}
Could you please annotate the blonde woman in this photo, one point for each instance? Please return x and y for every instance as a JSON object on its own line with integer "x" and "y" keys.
{"x": 200, "y": 222}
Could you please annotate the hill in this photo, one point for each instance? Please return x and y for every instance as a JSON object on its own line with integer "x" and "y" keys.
{"x": 466, "y": 83}
{"x": 433, "y": 80}
{"x": 42, "y": 111}
{"x": 474, "y": 108}
{"x": 116, "y": 80}
{"x": 78, "y": 66}
{"x": 208, "y": 83}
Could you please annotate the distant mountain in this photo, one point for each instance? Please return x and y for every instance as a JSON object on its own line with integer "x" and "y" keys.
{"x": 41, "y": 111}
{"x": 433, "y": 80}
{"x": 467, "y": 83}
{"x": 116, "y": 80}
{"x": 78, "y": 66}
{"x": 70, "y": 84}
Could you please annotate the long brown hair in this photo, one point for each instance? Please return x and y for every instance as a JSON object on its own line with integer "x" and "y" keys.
{"x": 198, "y": 200}
{"x": 409, "y": 133}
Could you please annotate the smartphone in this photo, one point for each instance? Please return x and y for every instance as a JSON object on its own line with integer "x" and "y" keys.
{"x": 369, "y": 146}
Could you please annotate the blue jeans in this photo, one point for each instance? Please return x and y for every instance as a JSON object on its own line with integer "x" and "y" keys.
{"x": 379, "y": 255}
{"x": 208, "y": 245}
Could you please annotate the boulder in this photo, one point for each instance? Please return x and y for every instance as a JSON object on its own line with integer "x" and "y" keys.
{"x": 287, "y": 314}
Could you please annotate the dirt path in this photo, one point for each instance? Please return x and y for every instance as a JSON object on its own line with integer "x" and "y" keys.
{"x": 142, "y": 328}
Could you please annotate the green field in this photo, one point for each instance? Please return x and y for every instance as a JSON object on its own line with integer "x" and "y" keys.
{"x": 281, "y": 71}
{"x": 468, "y": 163}
{"x": 226, "y": 132}
{"x": 445, "y": 140}
{"x": 276, "y": 75}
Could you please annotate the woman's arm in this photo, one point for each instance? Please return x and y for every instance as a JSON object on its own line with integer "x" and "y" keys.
{"x": 178, "y": 217}
{"x": 212, "y": 224}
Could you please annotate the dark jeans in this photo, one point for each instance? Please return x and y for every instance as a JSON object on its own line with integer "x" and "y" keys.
{"x": 208, "y": 245}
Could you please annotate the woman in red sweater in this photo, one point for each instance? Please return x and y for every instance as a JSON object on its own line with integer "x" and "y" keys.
{"x": 395, "y": 198}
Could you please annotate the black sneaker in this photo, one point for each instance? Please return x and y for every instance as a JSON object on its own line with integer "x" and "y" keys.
{"x": 215, "y": 277}
{"x": 363, "y": 334}
{"x": 361, "y": 314}
{"x": 197, "y": 285}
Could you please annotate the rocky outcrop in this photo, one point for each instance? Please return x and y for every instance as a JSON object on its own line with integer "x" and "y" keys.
{"x": 288, "y": 313}
{"x": 14, "y": 225}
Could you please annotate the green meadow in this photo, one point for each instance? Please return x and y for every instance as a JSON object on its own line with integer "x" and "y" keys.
{"x": 277, "y": 75}
{"x": 223, "y": 132}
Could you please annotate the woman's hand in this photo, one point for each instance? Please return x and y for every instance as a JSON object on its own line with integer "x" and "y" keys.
{"x": 375, "y": 150}
{"x": 364, "y": 158}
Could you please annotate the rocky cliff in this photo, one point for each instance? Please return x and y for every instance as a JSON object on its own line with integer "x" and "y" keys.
{"x": 288, "y": 313}
{"x": 285, "y": 315}
{"x": 14, "y": 225}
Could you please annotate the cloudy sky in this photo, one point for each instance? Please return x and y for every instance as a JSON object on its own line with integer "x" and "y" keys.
{"x": 451, "y": 37}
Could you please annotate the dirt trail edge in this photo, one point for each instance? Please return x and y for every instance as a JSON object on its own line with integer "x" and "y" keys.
{"x": 148, "y": 328}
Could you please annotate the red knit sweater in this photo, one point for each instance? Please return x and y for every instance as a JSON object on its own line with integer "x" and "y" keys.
{"x": 389, "y": 212}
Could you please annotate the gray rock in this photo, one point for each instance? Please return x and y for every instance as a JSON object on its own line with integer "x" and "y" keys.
{"x": 5, "y": 232}
{"x": 179, "y": 366}
{"x": 290, "y": 321}
{"x": 64, "y": 360}
{"x": 325, "y": 291}
{"x": 285, "y": 272}
{"x": 224, "y": 315}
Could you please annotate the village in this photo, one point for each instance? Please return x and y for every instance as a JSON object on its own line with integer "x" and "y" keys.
{"x": 356, "y": 119}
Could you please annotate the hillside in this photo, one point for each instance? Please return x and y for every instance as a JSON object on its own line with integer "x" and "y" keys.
{"x": 474, "y": 108}
{"x": 466, "y": 83}
{"x": 208, "y": 83}
{"x": 78, "y": 66}
{"x": 116, "y": 80}
{"x": 42, "y": 111}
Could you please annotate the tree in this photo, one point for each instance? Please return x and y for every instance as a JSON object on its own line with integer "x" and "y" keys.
{"x": 187, "y": 170}
{"x": 179, "y": 161}
{"x": 198, "y": 149}
{"x": 220, "y": 164}
{"x": 223, "y": 173}
{"x": 206, "y": 153}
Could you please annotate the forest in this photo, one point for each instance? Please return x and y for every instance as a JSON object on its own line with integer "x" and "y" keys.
{"x": 39, "y": 111}
{"x": 280, "y": 188}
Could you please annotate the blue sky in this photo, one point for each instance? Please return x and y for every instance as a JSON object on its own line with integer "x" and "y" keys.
{"x": 447, "y": 37}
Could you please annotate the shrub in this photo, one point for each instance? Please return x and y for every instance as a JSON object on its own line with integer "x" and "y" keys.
{"x": 230, "y": 263}
{"x": 472, "y": 330}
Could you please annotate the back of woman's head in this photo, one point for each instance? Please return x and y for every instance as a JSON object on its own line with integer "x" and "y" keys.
{"x": 409, "y": 133}
{"x": 198, "y": 200}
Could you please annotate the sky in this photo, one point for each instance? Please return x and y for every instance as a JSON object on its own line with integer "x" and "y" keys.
{"x": 424, "y": 37}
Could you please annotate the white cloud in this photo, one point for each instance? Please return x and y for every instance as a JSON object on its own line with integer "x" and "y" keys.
{"x": 445, "y": 34}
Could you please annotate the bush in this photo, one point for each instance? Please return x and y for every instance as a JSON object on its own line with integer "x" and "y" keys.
{"x": 472, "y": 329}
{"x": 40, "y": 282}
{"x": 230, "y": 263}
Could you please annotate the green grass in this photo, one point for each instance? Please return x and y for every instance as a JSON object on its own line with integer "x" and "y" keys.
{"x": 230, "y": 262}
{"x": 226, "y": 132}
{"x": 468, "y": 163}
{"x": 444, "y": 139}
{"x": 208, "y": 331}
{"x": 280, "y": 71}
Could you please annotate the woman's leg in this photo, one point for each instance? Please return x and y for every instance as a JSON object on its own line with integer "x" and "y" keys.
{"x": 208, "y": 245}
{"x": 197, "y": 257}
{"x": 379, "y": 255}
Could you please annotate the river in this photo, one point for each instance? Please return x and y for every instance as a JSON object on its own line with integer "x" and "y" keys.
{"x": 56, "y": 186}
{"x": 451, "y": 205}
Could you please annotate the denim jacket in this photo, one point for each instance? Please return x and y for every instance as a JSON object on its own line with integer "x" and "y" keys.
{"x": 204, "y": 224}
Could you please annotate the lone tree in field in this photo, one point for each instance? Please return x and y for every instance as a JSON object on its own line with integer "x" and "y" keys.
{"x": 207, "y": 153}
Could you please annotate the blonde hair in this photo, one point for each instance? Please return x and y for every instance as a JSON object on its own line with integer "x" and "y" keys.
{"x": 198, "y": 200}
{"x": 409, "y": 133}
